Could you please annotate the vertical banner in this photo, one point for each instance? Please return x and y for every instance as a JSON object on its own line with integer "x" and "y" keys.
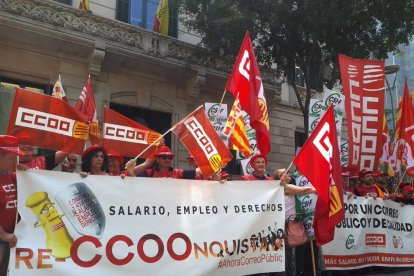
{"x": 336, "y": 99}
{"x": 315, "y": 109}
{"x": 219, "y": 111}
{"x": 344, "y": 152}
{"x": 305, "y": 204}
{"x": 363, "y": 88}
{"x": 106, "y": 225}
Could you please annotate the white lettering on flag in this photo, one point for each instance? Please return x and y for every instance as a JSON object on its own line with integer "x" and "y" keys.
{"x": 125, "y": 134}
{"x": 44, "y": 121}
{"x": 203, "y": 140}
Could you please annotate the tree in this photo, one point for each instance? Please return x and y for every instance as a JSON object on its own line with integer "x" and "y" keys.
{"x": 309, "y": 33}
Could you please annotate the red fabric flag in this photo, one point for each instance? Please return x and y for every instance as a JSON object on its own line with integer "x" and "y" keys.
{"x": 203, "y": 143}
{"x": 235, "y": 130}
{"x": 321, "y": 149}
{"x": 86, "y": 104}
{"x": 398, "y": 119}
{"x": 363, "y": 87}
{"x": 50, "y": 122}
{"x": 245, "y": 81}
{"x": 126, "y": 136}
{"x": 407, "y": 132}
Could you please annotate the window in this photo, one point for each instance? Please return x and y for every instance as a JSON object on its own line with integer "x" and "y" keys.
{"x": 67, "y": 2}
{"x": 141, "y": 13}
{"x": 300, "y": 139}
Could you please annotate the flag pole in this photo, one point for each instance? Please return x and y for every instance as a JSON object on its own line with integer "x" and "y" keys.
{"x": 129, "y": 163}
{"x": 399, "y": 181}
{"x": 286, "y": 172}
{"x": 221, "y": 101}
{"x": 313, "y": 258}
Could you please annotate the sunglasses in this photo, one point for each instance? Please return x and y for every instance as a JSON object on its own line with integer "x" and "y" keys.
{"x": 166, "y": 157}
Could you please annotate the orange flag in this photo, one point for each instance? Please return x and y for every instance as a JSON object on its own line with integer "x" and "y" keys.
{"x": 246, "y": 83}
{"x": 321, "y": 150}
{"x": 50, "y": 122}
{"x": 235, "y": 130}
{"x": 86, "y": 105}
{"x": 126, "y": 136}
{"x": 203, "y": 143}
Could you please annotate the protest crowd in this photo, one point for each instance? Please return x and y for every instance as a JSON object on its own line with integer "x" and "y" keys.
{"x": 102, "y": 156}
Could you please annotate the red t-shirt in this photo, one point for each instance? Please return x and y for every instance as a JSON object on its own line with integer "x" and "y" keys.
{"x": 174, "y": 173}
{"x": 41, "y": 162}
{"x": 253, "y": 177}
{"x": 364, "y": 191}
{"x": 8, "y": 201}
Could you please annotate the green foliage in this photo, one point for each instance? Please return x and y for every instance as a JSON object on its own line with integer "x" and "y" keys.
{"x": 307, "y": 33}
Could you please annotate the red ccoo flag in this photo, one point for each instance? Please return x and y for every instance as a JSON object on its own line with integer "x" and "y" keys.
{"x": 407, "y": 131}
{"x": 202, "y": 141}
{"x": 126, "y": 136}
{"x": 86, "y": 104}
{"x": 50, "y": 122}
{"x": 322, "y": 148}
{"x": 245, "y": 80}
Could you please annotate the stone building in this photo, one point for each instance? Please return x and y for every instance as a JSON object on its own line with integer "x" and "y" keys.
{"x": 153, "y": 78}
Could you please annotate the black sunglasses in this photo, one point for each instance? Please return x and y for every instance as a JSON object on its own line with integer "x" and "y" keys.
{"x": 166, "y": 157}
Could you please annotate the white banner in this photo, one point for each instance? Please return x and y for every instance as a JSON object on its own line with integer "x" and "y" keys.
{"x": 305, "y": 204}
{"x": 338, "y": 100}
{"x": 105, "y": 225}
{"x": 214, "y": 110}
{"x": 374, "y": 232}
{"x": 344, "y": 152}
{"x": 315, "y": 109}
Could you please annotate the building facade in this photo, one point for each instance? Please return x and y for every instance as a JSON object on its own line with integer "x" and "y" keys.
{"x": 154, "y": 79}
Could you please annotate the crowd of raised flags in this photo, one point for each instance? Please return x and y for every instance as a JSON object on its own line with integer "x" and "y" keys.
{"x": 53, "y": 123}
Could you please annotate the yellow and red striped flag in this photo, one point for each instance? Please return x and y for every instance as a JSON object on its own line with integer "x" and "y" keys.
{"x": 235, "y": 130}
{"x": 161, "y": 18}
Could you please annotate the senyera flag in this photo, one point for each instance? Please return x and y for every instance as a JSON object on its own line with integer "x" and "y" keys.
{"x": 363, "y": 88}
{"x": 86, "y": 104}
{"x": 126, "y": 136}
{"x": 235, "y": 130}
{"x": 319, "y": 161}
{"x": 246, "y": 82}
{"x": 407, "y": 132}
{"x": 202, "y": 141}
{"x": 50, "y": 122}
